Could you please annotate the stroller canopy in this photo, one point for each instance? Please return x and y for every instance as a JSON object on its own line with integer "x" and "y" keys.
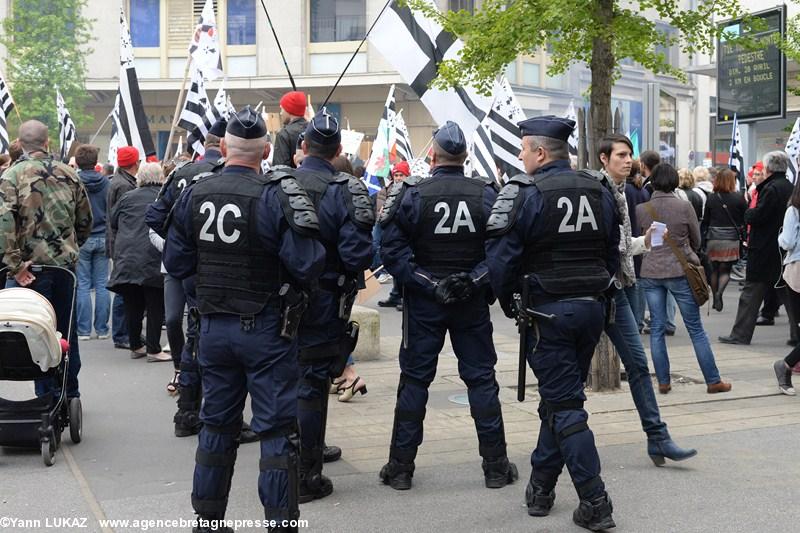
{"x": 28, "y": 312}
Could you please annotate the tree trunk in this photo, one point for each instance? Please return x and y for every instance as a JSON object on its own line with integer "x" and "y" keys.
{"x": 604, "y": 373}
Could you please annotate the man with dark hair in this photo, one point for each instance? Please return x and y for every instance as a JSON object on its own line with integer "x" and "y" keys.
{"x": 327, "y": 337}
{"x": 433, "y": 245}
{"x": 250, "y": 240}
{"x": 93, "y": 264}
{"x": 764, "y": 257}
{"x": 124, "y": 180}
{"x": 552, "y": 252}
{"x": 108, "y": 170}
{"x": 292, "y": 113}
{"x": 647, "y": 162}
{"x": 45, "y": 216}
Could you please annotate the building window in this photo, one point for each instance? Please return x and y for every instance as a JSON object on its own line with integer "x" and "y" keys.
{"x": 555, "y": 82}
{"x": 531, "y": 74}
{"x": 511, "y": 72}
{"x": 145, "y": 23}
{"x": 458, "y": 5}
{"x": 241, "y": 22}
{"x": 338, "y": 20}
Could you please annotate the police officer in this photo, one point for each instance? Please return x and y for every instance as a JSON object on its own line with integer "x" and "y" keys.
{"x": 553, "y": 237}
{"x": 251, "y": 241}
{"x": 187, "y": 419}
{"x": 346, "y": 218}
{"x": 433, "y": 245}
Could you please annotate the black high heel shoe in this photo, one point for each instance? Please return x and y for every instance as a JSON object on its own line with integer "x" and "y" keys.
{"x": 346, "y": 393}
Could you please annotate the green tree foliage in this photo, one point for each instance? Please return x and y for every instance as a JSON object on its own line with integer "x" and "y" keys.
{"x": 47, "y": 44}
{"x": 600, "y": 33}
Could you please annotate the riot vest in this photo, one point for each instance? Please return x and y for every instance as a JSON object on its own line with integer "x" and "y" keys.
{"x": 570, "y": 256}
{"x": 184, "y": 174}
{"x": 451, "y": 231}
{"x": 234, "y": 273}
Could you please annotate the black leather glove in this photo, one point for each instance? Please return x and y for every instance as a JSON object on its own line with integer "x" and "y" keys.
{"x": 507, "y": 305}
{"x": 454, "y": 288}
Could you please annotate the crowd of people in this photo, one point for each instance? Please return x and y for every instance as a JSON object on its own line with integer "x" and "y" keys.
{"x": 267, "y": 271}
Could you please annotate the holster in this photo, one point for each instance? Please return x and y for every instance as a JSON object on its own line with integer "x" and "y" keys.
{"x": 347, "y": 344}
{"x": 293, "y": 305}
{"x": 348, "y": 290}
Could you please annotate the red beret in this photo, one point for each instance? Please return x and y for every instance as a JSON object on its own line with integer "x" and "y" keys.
{"x": 294, "y": 103}
{"x": 127, "y": 156}
{"x": 152, "y": 158}
{"x": 402, "y": 167}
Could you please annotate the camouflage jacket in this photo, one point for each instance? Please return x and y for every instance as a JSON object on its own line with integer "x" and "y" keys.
{"x": 45, "y": 214}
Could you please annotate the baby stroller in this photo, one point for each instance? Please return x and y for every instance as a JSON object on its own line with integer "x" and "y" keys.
{"x": 32, "y": 348}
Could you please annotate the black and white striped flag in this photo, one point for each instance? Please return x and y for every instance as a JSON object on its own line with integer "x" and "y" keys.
{"x": 198, "y": 114}
{"x": 736, "y": 160}
{"x": 415, "y": 45}
{"x": 133, "y": 127}
{"x": 114, "y": 143}
{"x": 399, "y": 142}
{"x": 497, "y": 143}
{"x": 4, "y": 140}
{"x": 66, "y": 128}
{"x": 6, "y": 101}
{"x": 793, "y": 151}
{"x": 573, "y": 139}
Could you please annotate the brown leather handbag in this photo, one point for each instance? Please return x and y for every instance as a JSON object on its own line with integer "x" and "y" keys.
{"x": 695, "y": 274}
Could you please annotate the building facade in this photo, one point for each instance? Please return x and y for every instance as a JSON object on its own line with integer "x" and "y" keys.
{"x": 319, "y": 37}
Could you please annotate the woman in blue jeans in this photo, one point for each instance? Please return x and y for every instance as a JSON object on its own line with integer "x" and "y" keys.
{"x": 663, "y": 274}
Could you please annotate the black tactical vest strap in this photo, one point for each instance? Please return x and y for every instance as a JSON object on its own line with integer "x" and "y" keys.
{"x": 235, "y": 275}
{"x": 504, "y": 210}
{"x": 298, "y": 209}
{"x": 450, "y": 235}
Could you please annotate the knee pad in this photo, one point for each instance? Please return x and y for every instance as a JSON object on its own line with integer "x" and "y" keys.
{"x": 288, "y": 462}
{"x": 222, "y": 460}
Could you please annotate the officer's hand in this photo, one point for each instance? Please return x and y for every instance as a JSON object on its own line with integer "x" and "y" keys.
{"x": 465, "y": 289}
{"x": 448, "y": 290}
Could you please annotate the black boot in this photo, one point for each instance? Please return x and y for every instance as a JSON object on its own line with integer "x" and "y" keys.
{"x": 187, "y": 423}
{"x": 313, "y": 485}
{"x": 540, "y": 497}
{"x": 595, "y": 514}
{"x": 247, "y": 434}
{"x": 397, "y": 475}
{"x": 499, "y": 472}
{"x": 331, "y": 454}
{"x": 208, "y": 525}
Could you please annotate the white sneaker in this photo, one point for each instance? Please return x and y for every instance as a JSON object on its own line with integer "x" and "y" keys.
{"x": 104, "y": 337}
{"x": 384, "y": 277}
{"x": 84, "y": 337}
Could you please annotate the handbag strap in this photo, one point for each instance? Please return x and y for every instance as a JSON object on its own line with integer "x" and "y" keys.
{"x": 678, "y": 253}
{"x": 725, "y": 207}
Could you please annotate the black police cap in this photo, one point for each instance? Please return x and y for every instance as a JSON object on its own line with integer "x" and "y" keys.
{"x": 247, "y": 124}
{"x": 450, "y": 138}
{"x": 219, "y": 127}
{"x": 324, "y": 129}
{"x": 548, "y": 126}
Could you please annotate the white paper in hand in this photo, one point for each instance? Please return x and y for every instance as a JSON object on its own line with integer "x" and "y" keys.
{"x": 657, "y": 237}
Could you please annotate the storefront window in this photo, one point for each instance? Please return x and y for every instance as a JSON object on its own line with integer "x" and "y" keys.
{"x": 668, "y": 119}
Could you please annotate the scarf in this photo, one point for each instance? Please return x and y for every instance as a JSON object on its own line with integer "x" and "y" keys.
{"x": 626, "y": 275}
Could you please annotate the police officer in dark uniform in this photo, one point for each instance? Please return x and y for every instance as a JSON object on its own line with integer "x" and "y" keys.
{"x": 187, "y": 419}
{"x": 346, "y": 218}
{"x": 433, "y": 245}
{"x": 251, "y": 241}
{"x": 553, "y": 237}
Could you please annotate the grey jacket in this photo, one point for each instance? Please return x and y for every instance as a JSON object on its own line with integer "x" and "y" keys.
{"x": 684, "y": 230}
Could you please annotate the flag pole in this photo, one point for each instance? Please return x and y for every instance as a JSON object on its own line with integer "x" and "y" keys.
{"x": 178, "y": 107}
{"x": 101, "y": 127}
{"x": 347, "y": 66}
{"x": 280, "y": 48}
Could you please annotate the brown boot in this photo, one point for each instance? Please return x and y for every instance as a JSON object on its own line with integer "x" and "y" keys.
{"x": 718, "y": 387}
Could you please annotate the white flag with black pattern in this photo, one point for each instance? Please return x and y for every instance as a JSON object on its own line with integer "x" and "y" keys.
{"x": 736, "y": 160}
{"x": 6, "y": 101}
{"x": 66, "y": 128}
{"x": 198, "y": 114}
{"x": 793, "y": 151}
{"x": 133, "y": 127}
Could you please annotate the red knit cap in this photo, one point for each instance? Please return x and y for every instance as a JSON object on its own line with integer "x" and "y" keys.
{"x": 402, "y": 167}
{"x": 127, "y": 156}
{"x": 294, "y": 103}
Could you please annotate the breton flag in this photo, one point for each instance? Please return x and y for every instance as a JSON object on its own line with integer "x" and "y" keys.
{"x": 399, "y": 139}
{"x": 66, "y": 128}
{"x": 6, "y": 107}
{"x": 198, "y": 114}
{"x": 204, "y": 47}
{"x": 179, "y": 150}
{"x": 573, "y": 139}
{"x": 736, "y": 161}
{"x": 133, "y": 127}
{"x": 793, "y": 151}
{"x": 116, "y": 128}
{"x": 378, "y": 165}
{"x": 222, "y": 103}
{"x": 497, "y": 142}
{"x": 415, "y": 45}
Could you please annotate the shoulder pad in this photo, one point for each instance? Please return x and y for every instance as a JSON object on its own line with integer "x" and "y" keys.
{"x": 504, "y": 210}
{"x": 595, "y": 175}
{"x": 489, "y": 182}
{"x": 522, "y": 179}
{"x": 297, "y": 206}
{"x": 279, "y": 173}
{"x": 202, "y": 175}
{"x": 359, "y": 202}
{"x": 394, "y": 198}
{"x": 413, "y": 181}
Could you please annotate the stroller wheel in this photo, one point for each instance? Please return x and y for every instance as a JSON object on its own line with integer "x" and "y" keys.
{"x": 49, "y": 452}
{"x": 75, "y": 420}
